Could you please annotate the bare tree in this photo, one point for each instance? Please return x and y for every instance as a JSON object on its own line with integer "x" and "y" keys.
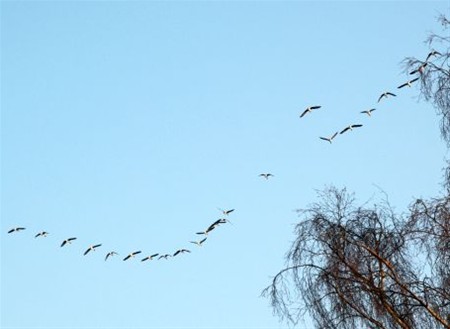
{"x": 365, "y": 267}
{"x": 434, "y": 72}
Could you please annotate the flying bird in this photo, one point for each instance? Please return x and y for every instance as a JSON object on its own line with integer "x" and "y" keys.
{"x": 67, "y": 241}
{"x": 217, "y": 223}
{"x": 91, "y": 248}
{"x": 433, "y": 53}
{"x": 220, "y": 221}
{"x": 164, "y": 256}
{"x": 368, "y": 112}
{"x": 309, "y": 109}
{"x": 198, "y": 243}
{"x": 110, "y": 254}
{"x": 266, "y": 176}
{"x": 43, "y": 234}
{"x": 149, "y": 257}
{"x": 180, "y": 251}
{"x": 408, "y": 83}
{"x": 16, "y": 229}
{"x": 329, "y": 139}
{"x": 351, "y": 127}
{"x": 420, "y": 69}
{"x": 132, "y": 255}
{"x": 386, "y": 95}
{"x": 226, "y": 212}
{"x": 209, "y": 229}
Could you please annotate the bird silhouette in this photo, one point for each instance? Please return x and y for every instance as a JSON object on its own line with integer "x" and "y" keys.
{"x": 16, "y": 229}
{"x": 91, "y": 248}
{"x": 226, "y": 212}
{"x": 218, "y": 222}
{"x": 43, "y": 234}
{"x": 205, "y": 232}
{"x": 132, "y": 255}
{"x": 420, "y": 69}
{"x": 110, "y": 254}
{"x": 164, "y": 256}
{"x": 408, "y": 83}
{"x": 368, "y": 112}
{"x": 433, "y": 53}
{"x": 149, "y": 257}
{"x": 351, "y": 127}
{"x": 198, "y": 243}
{"x": 181, "y": 251}
{"x": 266, "y": 176}
{"x": 329, "y": 139}
{"x": 386, "y": 95}
{"x": 310, "y": 109}
{"x": 67, "y": 241}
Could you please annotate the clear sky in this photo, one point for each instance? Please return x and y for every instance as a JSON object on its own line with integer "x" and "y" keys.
{"x": 130, "y": 123}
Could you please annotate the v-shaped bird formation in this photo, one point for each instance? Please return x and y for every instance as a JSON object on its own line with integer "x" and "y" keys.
{"x": 226, "y": 212}
{"x": 93, "y": 247}
{"x": 385, "y": 95}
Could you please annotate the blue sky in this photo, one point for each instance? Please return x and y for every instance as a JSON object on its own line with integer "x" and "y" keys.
{"x": 130, "y": 123}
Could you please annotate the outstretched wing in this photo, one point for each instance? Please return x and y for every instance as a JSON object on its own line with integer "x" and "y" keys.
{"x": 304, "y": 112}
{"x": 344, "y": 130}
{"x": 433, "y": 53}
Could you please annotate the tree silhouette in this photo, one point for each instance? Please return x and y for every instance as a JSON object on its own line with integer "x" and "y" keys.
{"x": 435, "y": 77}
{"x": 366, "y": 266}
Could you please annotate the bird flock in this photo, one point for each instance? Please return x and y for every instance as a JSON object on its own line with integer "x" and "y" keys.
{"x": 225, "y": 213}
{"x": 387, "y": 94}
{"x": 133, "y": 254}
